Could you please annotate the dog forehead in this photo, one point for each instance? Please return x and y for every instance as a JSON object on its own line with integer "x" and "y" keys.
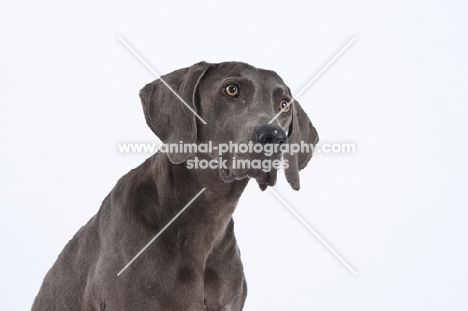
{"x": 227, "y": 70}
{"x": 232, "y": 70}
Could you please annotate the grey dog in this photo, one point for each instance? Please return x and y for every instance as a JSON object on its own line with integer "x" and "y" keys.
{"x": 195, "y": 263}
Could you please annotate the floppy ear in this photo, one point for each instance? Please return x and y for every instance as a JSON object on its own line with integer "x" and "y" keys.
{"x": 167, "y": 116}
{"x": 300, "y": 130}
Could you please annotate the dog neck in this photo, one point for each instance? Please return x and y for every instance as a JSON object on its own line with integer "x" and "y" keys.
{"x": 205, "y": 221}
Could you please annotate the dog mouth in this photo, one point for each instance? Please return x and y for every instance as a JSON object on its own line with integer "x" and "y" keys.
{"x": 263, "y": 178}
{"x": 261, "y": 167}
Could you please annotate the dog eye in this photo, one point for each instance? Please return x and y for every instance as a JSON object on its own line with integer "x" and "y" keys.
{"x": 232, "y": 90}
{"x": 283, "y": 104}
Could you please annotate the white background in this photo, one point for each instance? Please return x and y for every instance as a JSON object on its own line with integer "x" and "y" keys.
{"x": 396, "y": 210}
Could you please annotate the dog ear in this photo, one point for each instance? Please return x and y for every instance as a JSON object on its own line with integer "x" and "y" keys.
{"x": 300, "y": 130}
{"x": 167, "y": 116}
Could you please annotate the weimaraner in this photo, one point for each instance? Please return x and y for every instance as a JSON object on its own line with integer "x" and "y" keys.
{"x": 195, "y": 263}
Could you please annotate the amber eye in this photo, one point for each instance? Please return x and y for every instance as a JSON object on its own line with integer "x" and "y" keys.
{"x": 232, "y": 90}
{"x": 284, "y": 103}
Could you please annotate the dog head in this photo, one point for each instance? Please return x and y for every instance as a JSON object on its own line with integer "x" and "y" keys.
{"x": 238, "y": 103}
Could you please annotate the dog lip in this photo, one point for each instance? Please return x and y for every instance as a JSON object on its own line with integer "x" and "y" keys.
{"x": 267, "y": 179}
{"x": 226, "y": 174}
{"x": 229, "y": 175}
{"x": 244, "y": 174}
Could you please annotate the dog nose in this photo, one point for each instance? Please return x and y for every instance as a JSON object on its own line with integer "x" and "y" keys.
{"x": 271, "y": 134}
